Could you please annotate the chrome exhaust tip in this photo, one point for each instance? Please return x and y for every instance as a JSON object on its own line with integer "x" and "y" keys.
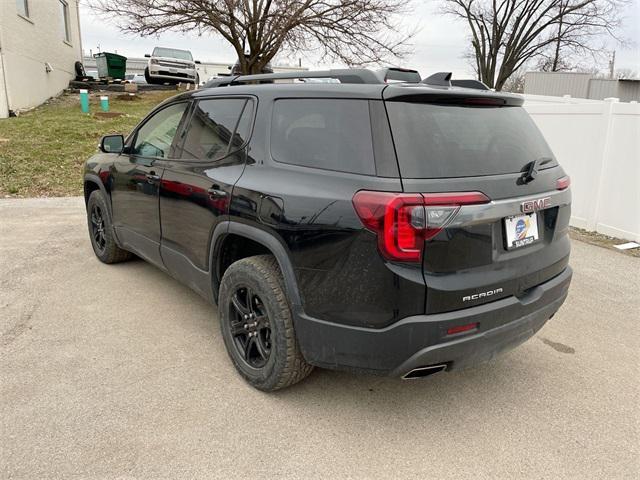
{"x": 422, "y": 372}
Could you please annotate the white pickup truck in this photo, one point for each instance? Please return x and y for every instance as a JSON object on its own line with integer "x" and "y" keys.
{"x": 171, "y": 65}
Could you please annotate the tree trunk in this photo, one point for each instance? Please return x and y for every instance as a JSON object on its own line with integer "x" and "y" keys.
{"x": 556, "y": 57}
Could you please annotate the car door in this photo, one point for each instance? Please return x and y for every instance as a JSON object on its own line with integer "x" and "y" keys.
{"x": 197, "y": 185}
{"x": 136, "y": 176}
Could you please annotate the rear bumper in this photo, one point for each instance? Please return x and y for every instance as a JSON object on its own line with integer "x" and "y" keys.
{"x": 422, "y": 340}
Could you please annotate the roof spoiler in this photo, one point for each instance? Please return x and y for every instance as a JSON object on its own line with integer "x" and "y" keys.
{"x": 469, "y": 83}
{"x": 443, "y": 79}
{"x": 440, "y": 79}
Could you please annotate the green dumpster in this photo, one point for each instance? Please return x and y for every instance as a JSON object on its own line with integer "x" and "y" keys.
{"x": 111, "y": 65}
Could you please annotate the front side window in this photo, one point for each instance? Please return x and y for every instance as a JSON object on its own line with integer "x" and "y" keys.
{"x": 23, "y": 7}
{"x": 217, "y": 128}
{"x": 66, "y": 31}
{"x": 331, "y": 134}
{"x": 155, "y": 137}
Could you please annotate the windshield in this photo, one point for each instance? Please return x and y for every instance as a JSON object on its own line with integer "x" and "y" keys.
{"x": 172, "y": 53}
{"x": 436, "y": 141}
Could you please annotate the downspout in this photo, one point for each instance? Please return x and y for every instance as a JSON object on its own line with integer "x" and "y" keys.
{"x": 4, "y": 92}
{"x": 81, "y": 56}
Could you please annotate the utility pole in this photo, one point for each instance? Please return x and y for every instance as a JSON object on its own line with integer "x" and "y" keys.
{"x": 612, "y": 65}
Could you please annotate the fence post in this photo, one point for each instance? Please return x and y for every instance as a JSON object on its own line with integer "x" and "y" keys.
{"x": 607, "y": 122}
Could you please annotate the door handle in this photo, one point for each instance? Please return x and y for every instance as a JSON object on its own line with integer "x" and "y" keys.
{"x": 152, "y": 177}
{"x": 216, "y": 193}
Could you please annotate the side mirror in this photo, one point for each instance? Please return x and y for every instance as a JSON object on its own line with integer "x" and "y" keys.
{"x": 112, "y": 144}
{"x": 146, "y": 55}
{"x": 198, "y": 62}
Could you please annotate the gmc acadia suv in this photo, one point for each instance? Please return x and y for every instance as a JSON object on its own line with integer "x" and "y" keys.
{"x": 397, "y": 229}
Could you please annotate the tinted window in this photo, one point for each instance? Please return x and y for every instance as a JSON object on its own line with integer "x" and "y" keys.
{"x": 212, "y": 125}
{"x": 323, "y": 133}
{"x": 434, "y": 141}
{"x": 243, "y": 130}
{"x": 155, "y": 137}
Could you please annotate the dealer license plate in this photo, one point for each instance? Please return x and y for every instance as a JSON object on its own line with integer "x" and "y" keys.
{"x": 522, "y": 230}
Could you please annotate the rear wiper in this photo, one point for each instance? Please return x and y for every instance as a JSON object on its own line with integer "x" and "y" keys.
{"x": 530, "y": 171}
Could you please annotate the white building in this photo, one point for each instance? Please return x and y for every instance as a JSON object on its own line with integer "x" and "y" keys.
{"x": 580, "y": 85}
{"x": 39, "y": 45}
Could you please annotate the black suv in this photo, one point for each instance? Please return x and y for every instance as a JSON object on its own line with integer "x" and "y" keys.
{"x": 398, "y": 229}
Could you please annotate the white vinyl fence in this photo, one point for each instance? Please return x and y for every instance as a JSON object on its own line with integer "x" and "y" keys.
{"x": 598, "y": 144}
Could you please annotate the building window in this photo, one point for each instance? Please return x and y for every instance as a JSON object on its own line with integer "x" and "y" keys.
{"x": 23, "y": 8}
{"x": 66, "y": 31}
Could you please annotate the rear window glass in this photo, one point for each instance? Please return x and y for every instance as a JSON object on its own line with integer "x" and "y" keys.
{"x": 435, "y": 141}
{"x": 332, "y": 134}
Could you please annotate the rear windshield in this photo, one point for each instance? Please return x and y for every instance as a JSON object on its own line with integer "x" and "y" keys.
{"x": 172, "y": 53}
{"x": 436, "y": 141}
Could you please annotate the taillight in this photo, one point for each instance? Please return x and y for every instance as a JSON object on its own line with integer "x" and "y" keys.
{"x": 563, "y": 183}
{"x": 403, "y": 221}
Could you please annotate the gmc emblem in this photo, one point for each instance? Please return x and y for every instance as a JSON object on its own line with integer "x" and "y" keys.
{"x": 531, "y": 206}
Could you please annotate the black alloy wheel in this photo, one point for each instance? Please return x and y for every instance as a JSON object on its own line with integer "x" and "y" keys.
{"x": 257, "y": 324}
{"x": 250, "y": 327}
{"x": 101, "y": 233}
{"x": 98, "y": 228}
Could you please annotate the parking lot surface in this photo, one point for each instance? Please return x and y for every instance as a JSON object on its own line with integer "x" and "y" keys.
{"x": 120, "y": 372}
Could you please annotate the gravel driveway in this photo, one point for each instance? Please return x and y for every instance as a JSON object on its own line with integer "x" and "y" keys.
{"x": 120, "y": 372}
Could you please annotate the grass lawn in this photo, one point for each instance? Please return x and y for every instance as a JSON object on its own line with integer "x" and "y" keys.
{"x": 42, "y": 151}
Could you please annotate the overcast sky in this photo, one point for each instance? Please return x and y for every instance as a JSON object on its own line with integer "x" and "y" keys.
{"x": 440, "y": 44}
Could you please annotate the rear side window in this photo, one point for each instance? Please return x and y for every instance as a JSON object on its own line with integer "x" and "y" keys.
{"x": 217, "y": 127}
{"x": 436, "y": 141}
{"x": 331, "y": 134}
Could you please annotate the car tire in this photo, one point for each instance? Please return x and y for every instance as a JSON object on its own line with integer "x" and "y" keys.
{"x": 257, "y": 325}
{"x": 79, "y": 69}
{"x": 101, "y": 231}
{"x": 147, "y": 77}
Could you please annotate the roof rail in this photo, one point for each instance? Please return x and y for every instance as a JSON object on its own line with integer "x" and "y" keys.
{"x": 440, "y": 79}
{"x": 345, "y": 75}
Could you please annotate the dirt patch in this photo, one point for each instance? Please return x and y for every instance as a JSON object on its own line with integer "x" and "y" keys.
{"x": 602, "y": 241}
{"x": 101, "y": 115}
{"x": 126, "y": 97}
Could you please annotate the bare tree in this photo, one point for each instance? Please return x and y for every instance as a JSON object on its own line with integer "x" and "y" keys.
{"x": 515, "y": 83}
{"x": 356, "y": 32}
{"x": 627, "y": 74}
{"x": 507, "y": 34}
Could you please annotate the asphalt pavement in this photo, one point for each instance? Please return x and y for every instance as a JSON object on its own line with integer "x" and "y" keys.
{"x": 120, "y": 372}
